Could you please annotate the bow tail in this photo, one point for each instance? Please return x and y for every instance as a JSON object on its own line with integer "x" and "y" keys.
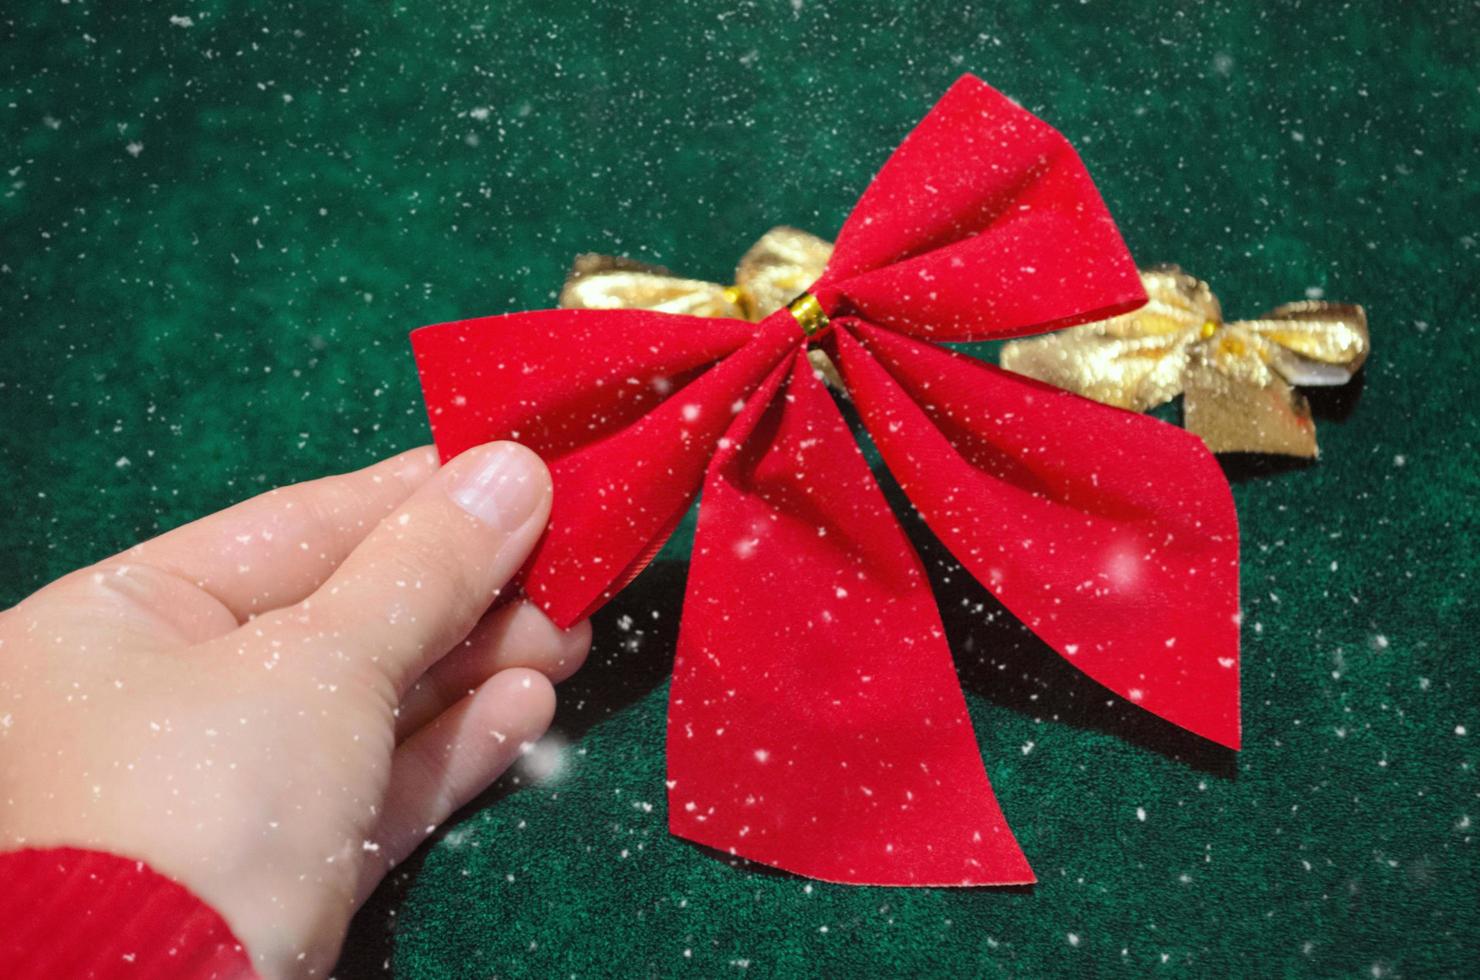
{"x": 816, "y": 723}
{"x": 1111, "y": 535}
{"x": 1234, "y": 412}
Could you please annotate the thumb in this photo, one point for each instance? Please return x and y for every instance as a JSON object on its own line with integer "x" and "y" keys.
{"x": 420, "y": 581}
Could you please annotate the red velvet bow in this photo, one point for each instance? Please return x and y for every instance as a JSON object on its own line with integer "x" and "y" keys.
{"x": 816, "y": 722}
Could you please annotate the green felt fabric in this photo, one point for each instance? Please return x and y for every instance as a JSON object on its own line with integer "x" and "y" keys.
{"x": 220, "y": 219}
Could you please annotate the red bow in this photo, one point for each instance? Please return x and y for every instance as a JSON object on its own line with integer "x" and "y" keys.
{"x": 815, "y": 721}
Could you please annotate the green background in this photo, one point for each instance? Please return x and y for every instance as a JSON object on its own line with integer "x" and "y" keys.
{"x": 219, "y": 220}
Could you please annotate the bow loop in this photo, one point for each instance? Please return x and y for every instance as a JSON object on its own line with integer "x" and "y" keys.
{"x": 780, "y": 266}
{"x": 624, "y": 407}
{"x": 1315, "y": 343}
{"x": 983, "y": 223}
{"x": 609, "y": 282}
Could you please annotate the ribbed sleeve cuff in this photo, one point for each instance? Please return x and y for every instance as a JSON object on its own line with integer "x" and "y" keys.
{"x": 67, "y": 912}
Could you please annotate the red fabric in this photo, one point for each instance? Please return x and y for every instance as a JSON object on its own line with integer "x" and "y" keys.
{"x": 983, "y": 223}
{"x": 1110, "y": 534}
{"x": 624, "y": 407}
{"x": 815, "y": 721}
{"x": 815, "y": 724}
{"x": 66, "y": 912}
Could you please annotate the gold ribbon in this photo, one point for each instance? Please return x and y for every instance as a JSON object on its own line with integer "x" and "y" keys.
{"x": 773, "y": 273}
{"x": 1237, "y": 379}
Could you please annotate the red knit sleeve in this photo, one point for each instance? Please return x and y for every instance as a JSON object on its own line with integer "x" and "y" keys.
{"x": 66, "y": 912}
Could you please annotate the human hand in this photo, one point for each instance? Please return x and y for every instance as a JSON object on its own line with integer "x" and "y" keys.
{"x": 263, "y": 705}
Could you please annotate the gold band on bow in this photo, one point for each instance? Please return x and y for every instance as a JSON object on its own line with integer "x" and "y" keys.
{"x": 808, "y": 313}
{"x": 1237, "y": 379}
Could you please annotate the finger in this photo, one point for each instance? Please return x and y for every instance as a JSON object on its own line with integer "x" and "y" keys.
{"x": 515, "y": 635}
{"x": 275, "y": 549}
{"x": 456, "y": 757}
{"x": 419, "y": 582}
{"x": 136, "y": 605}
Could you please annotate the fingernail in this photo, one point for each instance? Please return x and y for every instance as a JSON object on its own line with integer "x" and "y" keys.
{"x": 504, "y": 490}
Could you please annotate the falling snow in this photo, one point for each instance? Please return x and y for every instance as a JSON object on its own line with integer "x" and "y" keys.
{"x": 220, "y": 222}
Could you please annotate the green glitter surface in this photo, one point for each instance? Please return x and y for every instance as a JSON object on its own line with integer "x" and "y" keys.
{"x": 219, "y": 221}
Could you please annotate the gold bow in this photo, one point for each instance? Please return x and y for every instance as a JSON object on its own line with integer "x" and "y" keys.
{"x": 774, "y": 271}
{"x": 1237, "y": 379}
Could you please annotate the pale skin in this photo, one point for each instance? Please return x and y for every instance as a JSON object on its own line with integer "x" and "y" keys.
{"x": 277, "y": 703}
